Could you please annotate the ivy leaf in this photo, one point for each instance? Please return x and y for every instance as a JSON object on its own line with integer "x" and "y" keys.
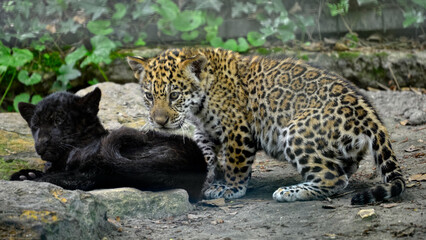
{"x": 103, "y": 47}
{"x": 67, "y": 73}
{"x": 20, "y": 57}
{"x": 3, "y": 68}
{"x": 209, "y": 4}
{"x": 231, "y": 44}
{"x": 216, "y": 42}
{"x": 93, "y": 81}
{"x": 412, "y": 17}
{"x": 73, "y": 57}
{"x": 5, "y": 57}
{"x": 188, "y": 20}
{"x": 23, "y": 97}
{"x": 36, "y": 99}
{"x": 166, "y": 9}
{"x": 140, "y": 41}
{"x": 242, "y": 45}
{"x": 100, "y": 27}
{"x": 421, "y": 3}
{"x": 120, "y": 11}
{"x": 166, "y": 27}
{"x": 95, "y": 7}
{"x": 212, "y": 20}
{"x": 38, "y": 46}
{"x": 28, "y": 81}
{"x": 69, "y": 26}
{"x": 188, "y": 36}
{"x": 256, "y": 39}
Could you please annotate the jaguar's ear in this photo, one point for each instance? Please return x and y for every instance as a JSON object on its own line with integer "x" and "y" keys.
{"x": 196, "y": 64}
{"x": 91, "y": 101}
{"x": 27, "y": 111}
{"x": 138, "y": 65}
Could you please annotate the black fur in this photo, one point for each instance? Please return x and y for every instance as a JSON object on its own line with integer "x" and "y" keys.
{"x": 83, "y": 155}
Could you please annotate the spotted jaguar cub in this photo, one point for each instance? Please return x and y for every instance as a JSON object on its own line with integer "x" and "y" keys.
{"x": 314, "y": 119}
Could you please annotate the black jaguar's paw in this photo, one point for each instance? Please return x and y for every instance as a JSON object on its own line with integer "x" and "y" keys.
{"x": 26, "y": 174}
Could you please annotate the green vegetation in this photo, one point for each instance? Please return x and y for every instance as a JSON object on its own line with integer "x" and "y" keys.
{"x": 348, "y": 55}
{"x": 46, "y": 45}
{"x": 7, "y": 168}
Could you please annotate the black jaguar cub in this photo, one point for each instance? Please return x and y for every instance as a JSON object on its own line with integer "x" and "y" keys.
{"x": 83, "y": 155}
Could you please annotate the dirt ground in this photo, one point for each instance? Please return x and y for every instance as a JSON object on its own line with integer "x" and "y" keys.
{"x": 258, "y": 216}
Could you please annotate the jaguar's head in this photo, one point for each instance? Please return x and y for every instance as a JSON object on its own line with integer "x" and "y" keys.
{"x": 171, "y": 85}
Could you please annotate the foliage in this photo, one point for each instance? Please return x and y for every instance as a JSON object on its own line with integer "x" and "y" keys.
{"x": 340, "y": 8}
{"x": 414, "y": 12}
{"x": 46, "y": 45}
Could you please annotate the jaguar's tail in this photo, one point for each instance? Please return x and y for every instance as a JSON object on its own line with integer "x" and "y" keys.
{"x": 387, "y": 164}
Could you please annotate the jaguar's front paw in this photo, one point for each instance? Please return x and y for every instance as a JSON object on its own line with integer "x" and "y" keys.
{"x": 218, "y": 190}
{"x": 26, "y": 174}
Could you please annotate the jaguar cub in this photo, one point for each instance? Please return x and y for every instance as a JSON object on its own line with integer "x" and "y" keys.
{"x": 314, "y": 119}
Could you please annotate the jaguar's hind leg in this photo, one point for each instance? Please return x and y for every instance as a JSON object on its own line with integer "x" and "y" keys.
{"x": 319, "y": 182}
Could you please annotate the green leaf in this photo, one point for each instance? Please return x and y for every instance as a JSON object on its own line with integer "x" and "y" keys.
{"x": 421, "y": 3}
{"x": 216, "y": 42}
{"x": 93, "y": 81}
{"x": 188, "y": 20}
{"x": 102, "y": 48}
{"x": 242, "y": 45}
{"x": 23, "y": 97}
{"x": 166, "y": 9}
{"x": 38, "y": 46}
{"x": 410, "y": 18}
{"x": 209, "y": 4}
{"x": 69, "y": 26}
{"x": 188, "y": 36}
{"x": 166, "y": 27}
{"x": 28, "y": 81}
{"x": 4, "y": 50}
{"x": 20, "y": 57}
{"x": 120, "y": 11}
{"x": 3, "y": 69}
{"x": 256, "y": 39}
{"x": 5, "y": 56}
{"x": 100, "y": 27}
{"x": 140, "y": 41}
{"x": 73, "y": 57}
{"x": 95, "y": 7}
{"x": 231, "y": 44}
{"x": 67, "y": 73}
{"x": 212, "y": 20}
{"x": 36, "y": 99}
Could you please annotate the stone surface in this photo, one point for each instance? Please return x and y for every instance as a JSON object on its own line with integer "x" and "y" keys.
{"x": 130, "y": 202}
{"x": 254, "y": 216}
{"x": 42, "y": 210}
{"x": 364, "y": 66}
{"x": 31, "y": 210}
{"x": 45, "y": 211}
{"x": 122, "y": 105}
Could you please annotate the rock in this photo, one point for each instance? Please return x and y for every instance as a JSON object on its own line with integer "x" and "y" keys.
{"x": 415, "y": 116}
{"x": 122, "y": 105}
{"x": 38, "y": 210}
{"x": 33, "y": 210}
{"x": 130, "y": 202}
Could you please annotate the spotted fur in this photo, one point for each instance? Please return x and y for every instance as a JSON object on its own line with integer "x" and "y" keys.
{"x": 314, "y": 119}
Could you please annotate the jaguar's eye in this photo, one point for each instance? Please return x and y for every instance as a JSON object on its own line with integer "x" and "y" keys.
{"x": 174, "y": 95}
{"x": 149, "y": 96}
{"x": 59, "y": 118}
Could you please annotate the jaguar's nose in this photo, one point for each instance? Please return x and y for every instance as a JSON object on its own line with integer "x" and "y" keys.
{"x": 160, "y": 117}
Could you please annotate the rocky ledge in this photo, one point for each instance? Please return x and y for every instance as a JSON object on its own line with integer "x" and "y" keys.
{"x": 36, "y": 210}
{"x": 33, "y": 210}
